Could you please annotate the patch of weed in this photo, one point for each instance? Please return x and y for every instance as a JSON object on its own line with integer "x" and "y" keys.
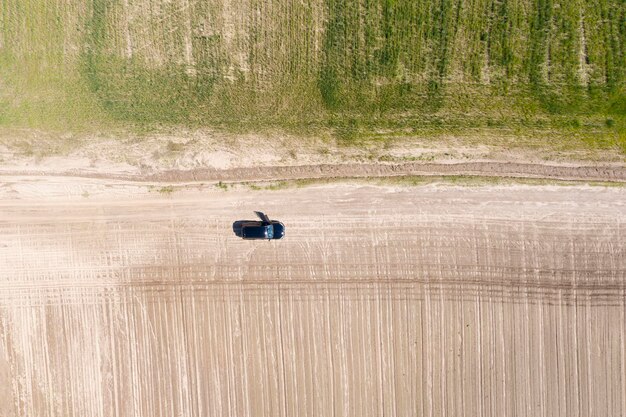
{"x": 166, "y": 190}
{"x": 174, "y": 146}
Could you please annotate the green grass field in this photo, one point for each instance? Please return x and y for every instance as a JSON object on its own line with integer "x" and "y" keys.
{"x": 553, "y": 70}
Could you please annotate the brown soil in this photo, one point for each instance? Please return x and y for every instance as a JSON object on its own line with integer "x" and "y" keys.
{"x": 609, "y": 173}
{"x": 494, "y": 301}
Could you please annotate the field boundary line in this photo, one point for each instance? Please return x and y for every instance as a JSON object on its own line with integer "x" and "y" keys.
{"x": 357, "y": 170}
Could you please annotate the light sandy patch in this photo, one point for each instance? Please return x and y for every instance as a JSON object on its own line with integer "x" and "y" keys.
{"x": 186, "y": 150}
{"x": 7, "y": 382}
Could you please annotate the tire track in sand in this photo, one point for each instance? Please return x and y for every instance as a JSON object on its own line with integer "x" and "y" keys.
{"x": 609, "y": 173}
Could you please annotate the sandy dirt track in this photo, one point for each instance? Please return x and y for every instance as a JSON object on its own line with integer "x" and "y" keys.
{"x": 424, "y": 301}
{"x": 484, "y": 168}
{"x": 574, "y": 172}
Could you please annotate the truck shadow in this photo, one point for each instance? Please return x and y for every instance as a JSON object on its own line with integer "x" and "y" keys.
{"x": 238, "y": 226}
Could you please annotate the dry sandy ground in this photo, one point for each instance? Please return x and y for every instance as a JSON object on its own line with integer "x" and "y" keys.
{"x": 206, "y": 155}
{"x": 424, "y": 301}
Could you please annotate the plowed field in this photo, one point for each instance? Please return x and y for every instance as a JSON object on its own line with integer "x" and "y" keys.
{"x": 434, "y": 300}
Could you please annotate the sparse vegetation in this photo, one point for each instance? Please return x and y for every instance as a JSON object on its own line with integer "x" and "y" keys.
{"x": 174, "y": 146}
{"x": 420, "y": 180}
{"x": 547, "y": 68}
{"x": 168, "y": 189}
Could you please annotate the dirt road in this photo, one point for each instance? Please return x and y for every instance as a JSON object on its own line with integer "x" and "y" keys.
{"x": 571, "y": 172}
{"x": 433, "y": 301}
